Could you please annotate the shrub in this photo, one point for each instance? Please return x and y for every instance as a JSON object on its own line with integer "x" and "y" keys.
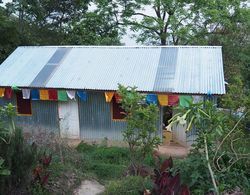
{"x": 108, "y": 171}
{"x": 141, "y": 131}
{"x": 168, "y": 182}
{"x": 85, "y": 148}
{"x": 19, "y": 158}
{"x": 131, "y": 185}
{"x": 112, "y": 155}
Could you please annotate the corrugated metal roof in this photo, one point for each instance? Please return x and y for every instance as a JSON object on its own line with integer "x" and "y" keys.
{"x": 173, "y": 69}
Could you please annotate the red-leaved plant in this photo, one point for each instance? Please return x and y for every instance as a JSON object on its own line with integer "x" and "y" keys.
{"x": 40, "y": 172}
{"x": 166, "y": 183}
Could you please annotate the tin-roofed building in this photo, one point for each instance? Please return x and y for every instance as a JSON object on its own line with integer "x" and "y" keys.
{"x": 51, "y": 76}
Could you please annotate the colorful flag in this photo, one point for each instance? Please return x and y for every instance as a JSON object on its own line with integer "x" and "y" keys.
{"x": 109, "y": 96}
{"x": 151, "y": 99}
{"x": 35, "y": 94}
{"x": 197, "y": 99}
{"x": 44, "y": 94}
{"x": 163, "y": 99}
{"x": 82, "y": 95}
{"x": 8, "y": 93}
{"x": 71, "y": 94}
{"x": 2, "y": 92}
{"x": 62, "y": 95}
{"x": 53, "y": 94}
{"x": 15, "y": 88}
{"x": 26, "y": 93}
{"x": 173, "y": 100}
{"x": 185, "y": 100}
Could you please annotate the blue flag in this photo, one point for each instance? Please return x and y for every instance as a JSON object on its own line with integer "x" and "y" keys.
{"x": 82, "y": 95}
{"x": 151, "y": 99}
{"x": 35, "y": 94}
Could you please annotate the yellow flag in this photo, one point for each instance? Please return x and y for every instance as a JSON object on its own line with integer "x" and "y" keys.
{"x": 163, "y": 100}
{"x": 109, "y": 96}
{"x": 44, "y": 94}
{"x": 2, "y": 92}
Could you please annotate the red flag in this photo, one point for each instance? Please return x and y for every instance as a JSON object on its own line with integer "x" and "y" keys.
{"x": 173, "y": 100}
{"x": 53, "y": 94}
{"x": 8, "y": 93}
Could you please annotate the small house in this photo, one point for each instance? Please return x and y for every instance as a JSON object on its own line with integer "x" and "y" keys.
{"x": 70, "y": 90}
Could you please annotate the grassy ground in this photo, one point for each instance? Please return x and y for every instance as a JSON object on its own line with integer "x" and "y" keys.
{"x": 107, "y": 165}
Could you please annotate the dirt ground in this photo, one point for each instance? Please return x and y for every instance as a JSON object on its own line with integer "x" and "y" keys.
{"x": 89, "y": 187}
{"x": 173, "y": 149}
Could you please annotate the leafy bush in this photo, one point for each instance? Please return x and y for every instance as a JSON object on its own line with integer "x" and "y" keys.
{"x": 85, "y": 148}
{"x": 141, "y": 131}
{"x": 105, "y": 171}
{"x": 105, "y": 162}
{"x": 131, "y": 185}
{"x": 112, "y": 155}
{"x": 19, "y": 158}
{"x": 168, "y": 182}
{"x": 3, "y": 171}
{"x": 194, "y": 174}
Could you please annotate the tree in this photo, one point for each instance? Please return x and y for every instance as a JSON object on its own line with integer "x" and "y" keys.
{"x": 172, "y": 21}
{"x": 9, "y": 38}
{"x": 141, "y": 131}
{"x": 67, "y": 22}
{"x": 96, "y": 28}
{"x": 220, "y": 145}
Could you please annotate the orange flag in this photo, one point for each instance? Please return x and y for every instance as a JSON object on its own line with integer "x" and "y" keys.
{"x": 2, "y": 92}
{"x": 163, "y": 100}
{"x": 109, "y": 96}
{"x": 44, "y": 94}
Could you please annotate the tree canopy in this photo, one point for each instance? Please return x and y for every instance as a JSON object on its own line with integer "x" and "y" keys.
{"x": 154, "y": 22}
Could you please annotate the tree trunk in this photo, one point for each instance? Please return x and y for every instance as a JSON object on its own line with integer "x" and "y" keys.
{"x": 163, "y": 41}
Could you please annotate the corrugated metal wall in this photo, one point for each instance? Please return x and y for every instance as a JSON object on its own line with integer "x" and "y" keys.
{"x": 94, "y": 115}
{"x": 96, "y": 120}
{"x": 44, "y": 117}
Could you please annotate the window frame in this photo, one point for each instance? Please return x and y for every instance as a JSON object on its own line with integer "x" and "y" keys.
{"x": 30, "y": 103}
{"x": 113, "y": 101}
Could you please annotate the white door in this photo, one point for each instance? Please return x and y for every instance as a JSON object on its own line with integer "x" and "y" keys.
{"x": 69, "y": 119}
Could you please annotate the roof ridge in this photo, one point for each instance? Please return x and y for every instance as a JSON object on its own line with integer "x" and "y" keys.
{"x": 126, "y": 47}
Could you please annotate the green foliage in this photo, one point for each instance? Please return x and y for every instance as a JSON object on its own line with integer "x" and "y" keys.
{"x": 95, "y": 28}
{"x": 9, "y": 34}
{"x": 3, "y": 171}
{"x": 220, "y": 154}
{"x": 84, "y": 147}
{"x": 194, "y": 173}
{"x": 104, "y": 162}
{"x": 112, "y": 155}
{"x": 19, "y": 158}
{"x": 131, "y": 185}
{"x": 141, "y": 131}
{"x": 107, "y": 171}
{"x": 56, "y": 23}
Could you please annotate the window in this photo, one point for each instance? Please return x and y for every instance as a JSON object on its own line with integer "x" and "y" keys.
{"x": 117, "y": 111}
{"x": 23, "y": 105}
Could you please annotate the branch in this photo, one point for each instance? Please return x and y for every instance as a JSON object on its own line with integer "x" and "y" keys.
{"x": 145, "y": 15}
{"x": 157, "y": 12}
{"x": 209, "y": 167}
{"x": 143, "y": 26}
{"x": 224, "y": 139}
